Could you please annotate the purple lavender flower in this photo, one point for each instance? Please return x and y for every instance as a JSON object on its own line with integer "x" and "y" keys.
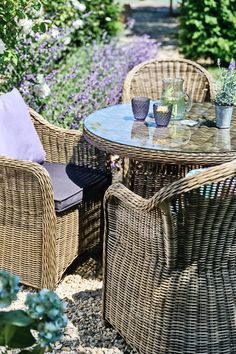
{"x": 232, "y": 65}
{"x": 74, "y": 126}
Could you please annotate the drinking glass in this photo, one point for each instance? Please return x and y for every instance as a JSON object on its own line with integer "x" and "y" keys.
{"x": 140, "y": 107}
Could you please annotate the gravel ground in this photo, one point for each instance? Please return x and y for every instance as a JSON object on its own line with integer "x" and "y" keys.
{"x": 81, "y": 289}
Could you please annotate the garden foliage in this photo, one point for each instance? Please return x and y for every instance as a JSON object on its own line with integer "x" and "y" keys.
{"x": 22, "y": 23}
{"x": 61, "y": 56}
{"x": 35, "y": 328}
{"x": 207, "y": 29}
{"x": 91, "y": 17}
{"x": 90, "y": 79}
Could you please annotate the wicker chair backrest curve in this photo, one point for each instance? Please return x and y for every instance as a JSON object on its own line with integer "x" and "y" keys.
{"x": 146, "y": 78}
{"x": 172, "y": 289}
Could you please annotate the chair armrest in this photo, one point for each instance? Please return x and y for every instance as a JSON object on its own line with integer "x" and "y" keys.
{"x": 25, "y": 178}
{"x": 65, "y": 146}
{"x": 27, "y": 209}
{"x": 186, "y": 184}
{"x": 132, "y": 222}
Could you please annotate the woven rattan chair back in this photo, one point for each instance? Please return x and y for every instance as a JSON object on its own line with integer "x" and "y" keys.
{"x": 146, "y": 78}
{"x": 200, "y": 226}
{"x": 169, "y": 265}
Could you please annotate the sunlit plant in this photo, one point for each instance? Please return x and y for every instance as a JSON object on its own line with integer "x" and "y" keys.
{"x": 226, "y": 85}
{"x": 34, "y": 329}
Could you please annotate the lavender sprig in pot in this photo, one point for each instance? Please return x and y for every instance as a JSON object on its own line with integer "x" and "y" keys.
{"x": 225, "y": 94}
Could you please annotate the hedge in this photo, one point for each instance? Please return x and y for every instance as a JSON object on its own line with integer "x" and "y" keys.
{"x": 207, "y": 29}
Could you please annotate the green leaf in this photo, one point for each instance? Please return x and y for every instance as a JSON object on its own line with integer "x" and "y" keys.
{"x": 43, "y": 27}
{"x": 36, "y": 28}
{"x": 18, "y": 337}
{"x": 37, "y": 5}
{"x": 20, "y": 14}
{"x": 15, "y": 317}
{"x": 2, "y": 337}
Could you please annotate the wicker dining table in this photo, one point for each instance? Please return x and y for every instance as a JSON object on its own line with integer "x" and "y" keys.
{"x": 155, "y": 157}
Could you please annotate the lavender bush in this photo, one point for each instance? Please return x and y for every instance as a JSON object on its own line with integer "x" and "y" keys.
{"x": 90, "y": 79}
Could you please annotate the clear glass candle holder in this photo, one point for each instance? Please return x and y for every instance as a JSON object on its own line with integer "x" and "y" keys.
{"x": 162, "y": 114}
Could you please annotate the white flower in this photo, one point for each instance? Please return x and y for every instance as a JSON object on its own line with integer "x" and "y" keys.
{"x": 26, "y": 25}
{"x": 2, "y": 47}
{"x": 78, "y": 24}
{"x": 55, "y": 32}
{"x": 42, "y": 90}
{"x": 67, "y": 40}
{"x": 78, "y": 6}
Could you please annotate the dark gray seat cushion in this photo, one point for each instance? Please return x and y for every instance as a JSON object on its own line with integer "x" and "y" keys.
{"x": 73, "y": 184}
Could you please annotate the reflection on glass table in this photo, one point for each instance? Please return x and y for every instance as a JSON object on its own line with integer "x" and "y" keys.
{"x": 174, "y": 135}
{"x": 140, "y": 132}
{"x": 223, "y": 139}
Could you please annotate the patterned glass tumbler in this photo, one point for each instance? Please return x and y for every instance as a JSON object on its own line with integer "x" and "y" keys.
{"x": 162, "y": 114}
{"x": 140, "y": 107}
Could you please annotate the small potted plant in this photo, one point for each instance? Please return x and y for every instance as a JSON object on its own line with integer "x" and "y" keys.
{"x": 225, "y": 95}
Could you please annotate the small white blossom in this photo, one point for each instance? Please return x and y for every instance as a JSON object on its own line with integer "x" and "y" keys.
{"x": 78, "y": 6}
{"x": 67, "y": 40}
{"x": 108, "y": 19}
{"x": 42, "y": 90}
{"x": 78, "y": 24}
{"x": 55, "y": 32}
{"x": 26, "y": 25}
{"x": 2, "y": 47}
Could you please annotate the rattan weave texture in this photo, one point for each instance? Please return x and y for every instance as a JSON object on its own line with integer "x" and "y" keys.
{"x": 146, "y": 78}
{"x": 38, "y": 244}
{"x": 169, "y": 265}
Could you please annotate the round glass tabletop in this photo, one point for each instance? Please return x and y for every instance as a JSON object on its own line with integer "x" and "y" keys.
{"x": 116, "y": 127}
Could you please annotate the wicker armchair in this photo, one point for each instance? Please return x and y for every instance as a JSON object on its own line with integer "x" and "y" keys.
{"x": 37, "y": 243}
{"x": 145, "y": 79}
{"x": 170, "y": 265}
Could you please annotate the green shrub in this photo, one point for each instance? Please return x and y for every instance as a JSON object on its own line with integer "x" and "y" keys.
{"x": 90, "y": 18}
{"x": 104, "y": 16}
{"x": 207, "y": 29}
{"x": 18, "y": 18}
{"x": 24, "y": 49}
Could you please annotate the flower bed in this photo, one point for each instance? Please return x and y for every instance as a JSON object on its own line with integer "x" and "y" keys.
{"x": 92, "y": 78}
{"x": 62, "y": 81}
